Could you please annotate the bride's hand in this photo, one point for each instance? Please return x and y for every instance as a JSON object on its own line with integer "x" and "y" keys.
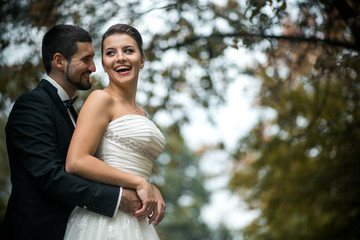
{"x": 147, "y": 195}
{"x": 159, "y": 210}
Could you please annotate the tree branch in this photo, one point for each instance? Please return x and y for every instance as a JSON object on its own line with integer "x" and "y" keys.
{"x": 349, "y": 13}
{"x": 174, "y": 5}
{"x": 314, "y": 40}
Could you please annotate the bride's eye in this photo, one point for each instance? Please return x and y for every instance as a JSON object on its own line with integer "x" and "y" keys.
{"x": 129, "y": 50}
{"x": 109, "y": 53}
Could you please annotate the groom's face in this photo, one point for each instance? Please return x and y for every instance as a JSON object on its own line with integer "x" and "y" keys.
{"x": 81, "y": 66}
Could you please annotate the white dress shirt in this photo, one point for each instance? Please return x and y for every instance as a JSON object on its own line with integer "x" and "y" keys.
{"x": 62, "y": 94}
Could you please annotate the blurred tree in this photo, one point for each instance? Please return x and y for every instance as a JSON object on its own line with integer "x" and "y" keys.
{"x": 301, "y": 167}
{"x": 178, "y": 176}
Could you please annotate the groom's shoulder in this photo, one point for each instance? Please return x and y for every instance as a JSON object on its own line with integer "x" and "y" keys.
{"x": 36, "y": 89}
{"x": 35, "y": 94}
{"x": 35, "y": 97}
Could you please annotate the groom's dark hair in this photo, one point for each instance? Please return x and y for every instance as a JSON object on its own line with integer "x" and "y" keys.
{"x": 62, "y": 39}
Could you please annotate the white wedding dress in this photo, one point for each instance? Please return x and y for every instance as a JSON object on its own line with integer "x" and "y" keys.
{"x": 131, "y": 143}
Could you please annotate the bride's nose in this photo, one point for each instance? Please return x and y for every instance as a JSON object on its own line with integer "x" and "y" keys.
{"x": 120, "y": 57}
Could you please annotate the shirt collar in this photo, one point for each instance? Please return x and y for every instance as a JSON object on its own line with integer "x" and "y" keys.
{"x": 61, "y": 92}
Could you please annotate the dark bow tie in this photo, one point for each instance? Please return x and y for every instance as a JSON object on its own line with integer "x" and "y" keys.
{"x": 70, "y": 102}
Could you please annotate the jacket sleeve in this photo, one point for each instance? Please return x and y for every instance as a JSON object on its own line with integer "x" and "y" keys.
{"x": 38, "y": 139}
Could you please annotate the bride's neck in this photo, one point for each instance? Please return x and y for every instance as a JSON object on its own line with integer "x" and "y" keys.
{"x": 123, "y": 94}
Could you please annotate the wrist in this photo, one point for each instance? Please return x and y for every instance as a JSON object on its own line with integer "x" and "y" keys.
{"x": 140, "y": 183}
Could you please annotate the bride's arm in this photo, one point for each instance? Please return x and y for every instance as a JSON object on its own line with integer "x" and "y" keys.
{"x": 91, "y": 125}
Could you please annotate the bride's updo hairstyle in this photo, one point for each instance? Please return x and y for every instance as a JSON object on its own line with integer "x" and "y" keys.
{"x": 123, "y": 29}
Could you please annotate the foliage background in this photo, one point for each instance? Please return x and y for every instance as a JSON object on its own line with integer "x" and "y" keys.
{"x": 299, "y": 168}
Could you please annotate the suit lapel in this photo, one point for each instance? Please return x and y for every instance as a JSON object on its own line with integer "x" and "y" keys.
{"x": 52, "y": 92}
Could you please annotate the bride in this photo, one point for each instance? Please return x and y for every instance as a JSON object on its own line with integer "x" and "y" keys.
{"x": 112, "y": 128}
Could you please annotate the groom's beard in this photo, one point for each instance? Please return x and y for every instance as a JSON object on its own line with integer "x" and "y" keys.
{"x": 79, "y": 84}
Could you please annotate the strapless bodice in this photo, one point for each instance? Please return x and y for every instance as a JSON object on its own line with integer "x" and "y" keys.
{"x": 131, "y": 143}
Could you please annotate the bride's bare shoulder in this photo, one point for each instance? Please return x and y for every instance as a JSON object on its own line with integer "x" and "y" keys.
{"x": 100, "y": 96}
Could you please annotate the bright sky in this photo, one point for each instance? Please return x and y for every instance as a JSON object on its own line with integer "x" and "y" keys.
{"x": 233, "y": 121}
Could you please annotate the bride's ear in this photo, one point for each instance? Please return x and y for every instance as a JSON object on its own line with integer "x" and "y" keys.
{"x": 142, "y": 64}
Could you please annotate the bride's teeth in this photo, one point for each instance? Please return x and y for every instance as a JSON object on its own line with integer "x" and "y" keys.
{"x": 122, "y": 68}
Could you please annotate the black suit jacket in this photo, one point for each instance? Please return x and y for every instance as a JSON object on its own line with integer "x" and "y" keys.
{"x": 38, "y": 134}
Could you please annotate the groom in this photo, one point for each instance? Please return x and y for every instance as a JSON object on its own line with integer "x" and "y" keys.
{"x": 38, "y": 135}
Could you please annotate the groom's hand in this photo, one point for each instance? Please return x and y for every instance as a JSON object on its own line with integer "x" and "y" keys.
{"x": 130, "y": 202}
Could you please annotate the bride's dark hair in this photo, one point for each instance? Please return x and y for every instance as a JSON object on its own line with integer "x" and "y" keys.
{"x": 124, "y": 29}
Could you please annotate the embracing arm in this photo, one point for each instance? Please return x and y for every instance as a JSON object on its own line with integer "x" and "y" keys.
{"x": 91, "y": 125}
{"x": 37, "y": 141}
